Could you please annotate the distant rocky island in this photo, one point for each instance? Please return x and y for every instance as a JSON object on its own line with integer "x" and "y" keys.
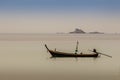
{"x": 96, "y": 32}
{"x": 80, "y": 31}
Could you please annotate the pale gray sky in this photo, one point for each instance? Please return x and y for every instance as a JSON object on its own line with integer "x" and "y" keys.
{"x": 53, "y": 16}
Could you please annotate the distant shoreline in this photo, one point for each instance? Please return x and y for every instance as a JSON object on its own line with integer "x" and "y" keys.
{"x": 53, "y": 33}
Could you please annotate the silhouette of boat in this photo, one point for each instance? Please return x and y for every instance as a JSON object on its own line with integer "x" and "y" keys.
{"x": 64, "y": 54}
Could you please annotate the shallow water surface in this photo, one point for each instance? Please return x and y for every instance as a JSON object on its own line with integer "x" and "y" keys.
{"x": 24, "y": 57}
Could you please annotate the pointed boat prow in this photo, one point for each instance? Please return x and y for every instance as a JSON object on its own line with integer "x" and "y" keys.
{"x": 46, "y": 47}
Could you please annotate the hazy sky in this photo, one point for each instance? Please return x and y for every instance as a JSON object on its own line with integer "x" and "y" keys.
{"x": 50, "y": 16}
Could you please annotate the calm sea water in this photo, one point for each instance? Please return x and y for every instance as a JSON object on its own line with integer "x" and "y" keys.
{"x": 24, "y": 57}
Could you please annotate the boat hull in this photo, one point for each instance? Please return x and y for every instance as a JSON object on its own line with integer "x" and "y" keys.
{"x": 63, "y": 54}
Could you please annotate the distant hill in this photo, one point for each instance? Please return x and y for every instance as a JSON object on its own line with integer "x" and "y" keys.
{"x": 96, "y": 33}
{"x": 78, "y": 31}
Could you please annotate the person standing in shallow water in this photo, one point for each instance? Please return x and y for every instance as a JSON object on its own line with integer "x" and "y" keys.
{"x": 76, "y": 51}
{"x": 76, "y": 48}
{"x": 94, "y": 50}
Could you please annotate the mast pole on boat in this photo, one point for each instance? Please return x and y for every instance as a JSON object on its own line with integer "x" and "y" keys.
{"x": 76, "y": 47}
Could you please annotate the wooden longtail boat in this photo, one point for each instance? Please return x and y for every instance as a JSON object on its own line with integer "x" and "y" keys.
{"x": 63, "y": 54}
